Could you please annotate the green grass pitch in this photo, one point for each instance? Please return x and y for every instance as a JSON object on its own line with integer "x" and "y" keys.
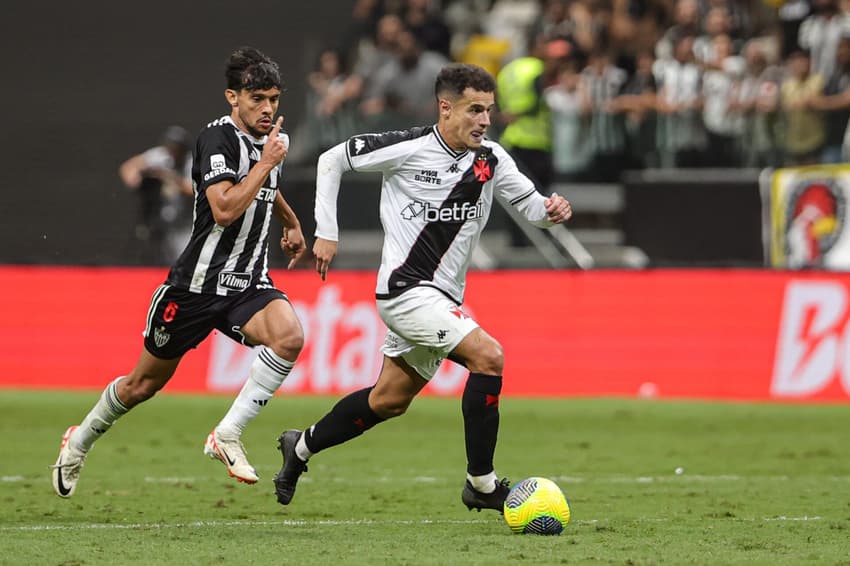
{"x": 761, "y": 484}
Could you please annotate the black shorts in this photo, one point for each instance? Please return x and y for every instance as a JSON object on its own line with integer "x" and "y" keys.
{"x": 179, "y": 320}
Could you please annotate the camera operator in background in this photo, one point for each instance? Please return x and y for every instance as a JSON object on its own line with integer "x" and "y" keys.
{"x": 161, "y": 177}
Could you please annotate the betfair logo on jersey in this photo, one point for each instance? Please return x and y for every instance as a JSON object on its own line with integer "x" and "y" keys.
{"x": 456, "y": 212}
{"x": 234, "y": 280}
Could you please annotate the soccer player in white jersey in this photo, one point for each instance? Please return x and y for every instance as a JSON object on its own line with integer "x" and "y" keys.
{"x": 438, "y": 188}
{"x": 221, "y": 279}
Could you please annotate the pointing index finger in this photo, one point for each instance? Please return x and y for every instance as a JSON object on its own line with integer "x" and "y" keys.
{"x": 276, "y": 127}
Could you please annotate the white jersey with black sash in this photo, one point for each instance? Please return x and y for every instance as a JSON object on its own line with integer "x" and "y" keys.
{"x": 435, "y": 202}
{"x": 226, "y": 260}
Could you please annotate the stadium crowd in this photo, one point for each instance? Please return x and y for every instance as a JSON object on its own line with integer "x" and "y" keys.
{"x": 599, "y": 86}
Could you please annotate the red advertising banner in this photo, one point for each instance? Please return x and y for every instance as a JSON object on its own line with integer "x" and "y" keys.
{"x": 730, "y": 334}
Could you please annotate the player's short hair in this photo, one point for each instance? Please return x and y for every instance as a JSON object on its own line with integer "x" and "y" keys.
{"x": 250, "y": 69}
{"x": 457, "y": 77}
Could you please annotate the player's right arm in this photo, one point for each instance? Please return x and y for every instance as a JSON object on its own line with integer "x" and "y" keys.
{"x": 366, "y": 152}
{"x": 229, "y": 200}
{"x": 329, "y": 170}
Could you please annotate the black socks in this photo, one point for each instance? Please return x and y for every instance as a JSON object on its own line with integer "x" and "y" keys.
{"x": 349, "y": 418}
{"x": 481, "y": 421}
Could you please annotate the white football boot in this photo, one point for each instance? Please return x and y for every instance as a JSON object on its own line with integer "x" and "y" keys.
{"x": 66, "y": 470}
{"x": 232, "y": 454}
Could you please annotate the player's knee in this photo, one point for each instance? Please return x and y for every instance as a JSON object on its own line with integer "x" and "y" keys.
{"x": 391, "y": 410}
{"x": 388, "y": 407}
{"x": 289, "y": 346}
{"x": 489, "y": 359}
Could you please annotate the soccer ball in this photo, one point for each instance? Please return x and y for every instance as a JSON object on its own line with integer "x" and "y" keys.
{"x": 537, "y": 506}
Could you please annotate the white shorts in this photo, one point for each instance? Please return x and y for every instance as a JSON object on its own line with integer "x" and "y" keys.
{"x": 424, "y": 327}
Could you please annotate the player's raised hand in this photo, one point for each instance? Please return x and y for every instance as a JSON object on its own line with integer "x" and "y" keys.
{"x": 293, "y": 245}
{"x": 324, "y": 250}
{"x": 558, "y": 209}
{"x": 275, "y": 149}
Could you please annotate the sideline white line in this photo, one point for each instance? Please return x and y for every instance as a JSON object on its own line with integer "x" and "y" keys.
{"x": 344, "y": 522}
{"x": 203, "y": 524}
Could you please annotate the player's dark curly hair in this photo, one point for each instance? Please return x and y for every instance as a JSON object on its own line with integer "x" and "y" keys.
{"x": 457, "y": 77}
{"x": 249, "y": 68}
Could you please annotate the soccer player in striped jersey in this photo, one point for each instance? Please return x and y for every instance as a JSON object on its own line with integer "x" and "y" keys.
{"x": 438, "y": 188}
{"x": 221, "y": 281}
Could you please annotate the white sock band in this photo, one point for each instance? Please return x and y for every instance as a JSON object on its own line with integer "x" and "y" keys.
{"x": 301, "y": 449}
{"x": 485, "y": 483}
{"x": 267, "y": 373}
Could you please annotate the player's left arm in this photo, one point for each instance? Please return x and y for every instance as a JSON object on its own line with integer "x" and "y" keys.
{"x": 518, "y": 190}
{"x": 543, "y": 211}
{"x": 558, "y": 209}
{"x": 292, "y": 242}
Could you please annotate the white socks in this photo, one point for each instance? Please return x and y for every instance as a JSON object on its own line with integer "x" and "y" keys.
{"x": 267, "y": 373}
{"x": 301, "y": 449}
{"x": 100, "y": 419}
{"x": 484, "y": 484}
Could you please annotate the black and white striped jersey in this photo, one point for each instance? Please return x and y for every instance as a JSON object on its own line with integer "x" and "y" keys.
{"x": 226, "y": 260}
{"x": 434, "y": 203}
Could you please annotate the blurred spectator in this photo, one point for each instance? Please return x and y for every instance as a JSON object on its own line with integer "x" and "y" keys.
{"x": 569, "y": 19}
{"x": 723, "y": 121}
{"x": 697, "y": 104}
{"x": 604, "y": 83}
{"x": 423, "y": 18}
{"x": 636, "y": 25}
{"x": 717, "y": 23}
{"x": 403, "y": 89}
{"x": 759, "y": 105}
{"x": 330, "y": 114}
{"x": 591, "y": 22}
{"x": 570, "y": 106}
{"x": 791, "y": 15}
{"x": 747, "y": 18}
{"x": 512, "y": 20}
{"x": 527, "y": 132}
{"x": 362, "y": 23}
{"x": 805, "y": 132}
{"x": 680, "y": 132}
{"x": 820, "y": 33}
{"x": 162, "y": 179}
{"x": 637, "y": 102}
{"x": 465, "y": 20}
{"x": 554, "y": 21}
{"x": 685, "y": 23}
{"x": 372, "y": 55}
{"x": 835, "y": 104}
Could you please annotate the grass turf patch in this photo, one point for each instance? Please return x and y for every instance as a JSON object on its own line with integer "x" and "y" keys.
{"x": 761, "y": 483}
